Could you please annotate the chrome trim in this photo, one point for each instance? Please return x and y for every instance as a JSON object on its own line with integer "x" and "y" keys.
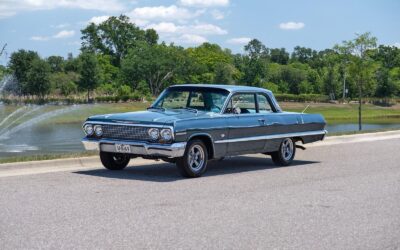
{"x": 139, "y": 148}
{"x": 133, "y": 125}
{"x": 276, "y": 136}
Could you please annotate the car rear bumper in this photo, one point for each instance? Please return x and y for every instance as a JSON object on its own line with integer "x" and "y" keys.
{"x": 173, "y": 150}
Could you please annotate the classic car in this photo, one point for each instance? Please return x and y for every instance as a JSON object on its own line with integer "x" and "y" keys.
{"x": 192, "y": 124}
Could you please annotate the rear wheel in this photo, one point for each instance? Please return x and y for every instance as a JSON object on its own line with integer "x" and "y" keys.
{"x": 114, "y": 161}
{"x": 285, "y": 155}
{"x": 194, "y": 161}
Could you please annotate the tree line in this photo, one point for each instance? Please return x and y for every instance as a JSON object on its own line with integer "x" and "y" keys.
{"x": 117, "y": 58}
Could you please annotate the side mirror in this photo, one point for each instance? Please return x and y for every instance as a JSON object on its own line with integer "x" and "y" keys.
{"x": 236, "y": 110}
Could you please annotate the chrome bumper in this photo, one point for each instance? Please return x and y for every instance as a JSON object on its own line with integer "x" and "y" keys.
{"x": 138, "y": 148}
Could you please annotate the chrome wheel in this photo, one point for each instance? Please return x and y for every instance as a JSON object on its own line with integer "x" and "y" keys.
{"x": 196, "y": 157}
{"x": 287, "y": 149}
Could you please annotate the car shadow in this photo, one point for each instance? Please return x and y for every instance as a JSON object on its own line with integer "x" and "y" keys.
{"x": 167, "y": 172}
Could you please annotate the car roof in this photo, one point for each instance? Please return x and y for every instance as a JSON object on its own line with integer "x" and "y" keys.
{"x": 230, "y": 88}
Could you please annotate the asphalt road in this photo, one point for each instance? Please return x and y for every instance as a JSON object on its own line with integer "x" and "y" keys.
{"x": 335, "y": 196}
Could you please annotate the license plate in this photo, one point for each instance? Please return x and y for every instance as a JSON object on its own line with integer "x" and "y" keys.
{"x": 122, "y": 148}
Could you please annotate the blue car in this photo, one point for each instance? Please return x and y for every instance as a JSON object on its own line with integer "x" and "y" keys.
{"x": 192, "y": 124}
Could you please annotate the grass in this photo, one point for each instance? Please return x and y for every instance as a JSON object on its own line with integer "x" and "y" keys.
{"x": 348, "y": 113}
{"x": 46, "y": 157}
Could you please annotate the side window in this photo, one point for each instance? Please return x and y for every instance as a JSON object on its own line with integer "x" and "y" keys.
{"x": 263, "y": 104}
{"x": 243, "y": 103}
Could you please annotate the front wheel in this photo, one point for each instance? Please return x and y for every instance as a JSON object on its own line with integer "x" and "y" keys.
{"x": 114, "y": 161}
{"x": 194, "y": 161}
{"x": 285, "y": 155}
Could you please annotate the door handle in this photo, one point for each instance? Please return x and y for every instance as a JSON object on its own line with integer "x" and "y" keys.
{"x": 262, "y": 121}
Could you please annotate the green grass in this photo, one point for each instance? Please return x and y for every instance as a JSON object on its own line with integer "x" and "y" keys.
{"x": 46, "y": 157}
{"x": 348, "y": 113}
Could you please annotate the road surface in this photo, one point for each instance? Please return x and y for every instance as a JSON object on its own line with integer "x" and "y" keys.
{"x": 335, "y": 196}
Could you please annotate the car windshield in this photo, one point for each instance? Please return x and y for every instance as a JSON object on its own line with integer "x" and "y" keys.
{"x": 192, "y": 99}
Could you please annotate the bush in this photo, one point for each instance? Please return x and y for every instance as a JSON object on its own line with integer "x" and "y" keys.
{"x": 124, "y": 90}
{"x": 302, "y": 98}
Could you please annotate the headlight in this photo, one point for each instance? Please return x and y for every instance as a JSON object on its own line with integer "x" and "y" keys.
{"x": 166, "y": 134}
{"x": 154, "y": 134}
{"x": 98, "y": 130}
{"x": 88, "y": 128}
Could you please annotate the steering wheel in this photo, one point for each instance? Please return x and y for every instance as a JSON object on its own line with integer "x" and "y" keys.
{"x": 213, "y": 107}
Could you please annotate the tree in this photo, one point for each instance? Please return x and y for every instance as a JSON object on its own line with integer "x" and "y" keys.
{"x": 255, "y": 63}
{"x": 38, "y": 82}
{"x": 225, "y": 73}
{"x": 20, "y": 64}
{"x": 361, "y": 64}
{"x": 89, "y": 71}
{"x": 56, "y": 63}
{"x": 279, "y": 56}
{"x": 156, "y": 64}
{"x": 115, "y": 37}
{"x": 303, "y": 54}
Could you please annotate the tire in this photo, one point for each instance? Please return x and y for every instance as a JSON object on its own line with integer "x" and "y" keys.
{"x": 193, "y": 167}
{"x": 114, "y": 161}
{"x": 286, "y": 153}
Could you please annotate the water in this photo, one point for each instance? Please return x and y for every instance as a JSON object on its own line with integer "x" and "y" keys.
{"x": 29, "y": 130}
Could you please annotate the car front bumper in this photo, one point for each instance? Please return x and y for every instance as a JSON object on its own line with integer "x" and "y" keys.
{"x": 173, "y": 150}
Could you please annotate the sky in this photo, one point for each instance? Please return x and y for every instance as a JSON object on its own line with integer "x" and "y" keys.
{"x": 52, "y": 27}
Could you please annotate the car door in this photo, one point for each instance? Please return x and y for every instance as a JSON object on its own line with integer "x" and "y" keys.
{"x": 244, "y": 125}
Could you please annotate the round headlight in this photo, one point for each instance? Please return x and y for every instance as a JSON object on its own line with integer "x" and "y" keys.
{"x": 153, "y": 133}
{"x": 98, "y": 130}
{"x": 166, "y": 134}
{"x": 88, "y": 129}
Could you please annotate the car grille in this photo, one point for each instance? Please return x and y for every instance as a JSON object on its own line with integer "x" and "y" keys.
{"x": 125, "y": 132}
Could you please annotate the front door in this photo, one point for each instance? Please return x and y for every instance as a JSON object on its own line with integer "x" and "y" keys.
{"x": 245, "y": 124}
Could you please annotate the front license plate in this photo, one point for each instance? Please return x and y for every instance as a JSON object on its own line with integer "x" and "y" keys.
{"x": 122, "y": 148}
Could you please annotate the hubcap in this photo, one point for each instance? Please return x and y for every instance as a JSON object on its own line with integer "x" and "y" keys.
{"x": 196, "y": 157}
{"x": 287, "y": 149}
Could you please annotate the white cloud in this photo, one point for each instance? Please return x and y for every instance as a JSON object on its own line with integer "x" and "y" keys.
{"x": 162, "y": 13}
{"x": 60, "y": 26}
{"x": 291, "y": 26}
{"x": 217, "y": 15}
{"x": 239, "y": 40}
{"x": 191, "y": 39}
{"x": 197, "y": 29}
{"x": 11, "y": 7}
{"x": 396, "y": 45}
{"x": 39, "y": 38}
{"x": 64, "y": 34}
{"x": 98, "y": 19}
{"x": 204, "y": 3}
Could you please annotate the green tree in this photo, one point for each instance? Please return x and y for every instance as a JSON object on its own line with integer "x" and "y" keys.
{"x": 225, "y": 73}
{"x": 155, "y": 64}
{"x": 115, "y": 37}
{"x": 361, "y": 64}
{"x": 38, "y": 82}
{"x": 279, "y": 56}
{"x": 56, "y": 63}
{"x": 89, "y": 71}
{"x": 20, "y": 64}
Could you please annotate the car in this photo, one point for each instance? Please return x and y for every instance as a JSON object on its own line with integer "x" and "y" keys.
{"x": 191, "y": 124}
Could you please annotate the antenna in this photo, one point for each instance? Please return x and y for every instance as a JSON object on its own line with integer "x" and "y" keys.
{"x": 305, "y": 109}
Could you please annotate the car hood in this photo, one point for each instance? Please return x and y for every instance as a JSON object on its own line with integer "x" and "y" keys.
{"x": 149, "y": 117}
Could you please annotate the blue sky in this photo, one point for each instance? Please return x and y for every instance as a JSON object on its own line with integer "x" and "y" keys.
{"x": 52, "y": 27}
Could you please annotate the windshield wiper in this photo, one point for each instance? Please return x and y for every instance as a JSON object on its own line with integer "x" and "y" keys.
{"x": 158, "y": 108}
